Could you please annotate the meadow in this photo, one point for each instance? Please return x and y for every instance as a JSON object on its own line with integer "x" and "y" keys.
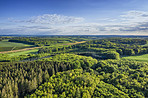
{"x": 142, "y": 58}
{"x": 8, "y": 46}
{"x": 5, "y": 43}
{"x": 33, "y": 51}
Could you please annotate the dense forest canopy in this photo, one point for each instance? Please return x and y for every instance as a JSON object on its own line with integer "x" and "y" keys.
{"x": 74, "y": 67}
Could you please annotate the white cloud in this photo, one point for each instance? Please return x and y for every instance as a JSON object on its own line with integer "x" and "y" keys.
{"x": 133, "y": 17}
{"x": 135, "y": 14}
{"x": 131, "y": 22}
{"x": 52, "y": 19}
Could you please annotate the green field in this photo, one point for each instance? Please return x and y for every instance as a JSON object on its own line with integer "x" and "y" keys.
{"x": 5, "y": 43}
{"x": 33, "y": 51}
{"x": 8, "y": 46}
{"x": 142, "y": 58}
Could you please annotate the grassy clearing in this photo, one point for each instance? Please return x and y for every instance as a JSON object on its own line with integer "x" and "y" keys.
{"x": 26, "y": 52}
{"x": 64, "y": 44}
{"x": 8, "y": 46}
{"x": 5, "y": 43}
{"x": 33, "y": 51}
{"x": 142, "y": 58}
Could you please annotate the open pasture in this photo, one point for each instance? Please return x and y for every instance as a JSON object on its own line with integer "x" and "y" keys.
{"x": 8, "y": 46}
{"x": 142, "y": 58}
{"x": 33, "y": 51}
{"x": 5, "y": 43}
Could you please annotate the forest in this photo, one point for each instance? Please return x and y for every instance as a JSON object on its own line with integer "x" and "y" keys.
{"x": 73, "y": 67}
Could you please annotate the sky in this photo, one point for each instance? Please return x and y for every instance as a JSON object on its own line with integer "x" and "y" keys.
{"x": 73, "y": 17}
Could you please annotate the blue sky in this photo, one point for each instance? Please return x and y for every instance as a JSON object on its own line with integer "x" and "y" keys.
{"x": 74, "y": 17}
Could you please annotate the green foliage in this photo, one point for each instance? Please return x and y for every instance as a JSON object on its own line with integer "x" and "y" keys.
{"x": 76, "y": 84}
{"x": 76, "y": 60}
{"x": 127, "y": 76}
{"x": 41, "y": 41}
{"x": 103, "y": 48}
{"x": 109, "y": 91}
{"x": 124, "y": 46}
{"x": 110, "y": 55}
{"x": 29, "y": 75}
{"x": 67, "y": 75}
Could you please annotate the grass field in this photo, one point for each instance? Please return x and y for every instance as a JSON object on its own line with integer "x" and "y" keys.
{"x": 8, "y": 46}
{"x": 33, "y": 51}
{"x": 5, "y": 43}
{"x": 142, "y": 58}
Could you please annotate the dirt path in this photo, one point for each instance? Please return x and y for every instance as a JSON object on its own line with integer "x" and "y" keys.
{"x": 25, "y": 49}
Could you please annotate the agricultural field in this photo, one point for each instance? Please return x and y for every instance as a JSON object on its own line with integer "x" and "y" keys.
{"x": 142, "y": 58}
{"x": 6, "y": 43}
{"x": 8, "y": 46}
{"x": 33, "y": 51}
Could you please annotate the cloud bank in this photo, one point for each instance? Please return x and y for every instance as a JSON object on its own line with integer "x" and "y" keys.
{"x": 52, "y": 19}
{"x": 128, "y": 23}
